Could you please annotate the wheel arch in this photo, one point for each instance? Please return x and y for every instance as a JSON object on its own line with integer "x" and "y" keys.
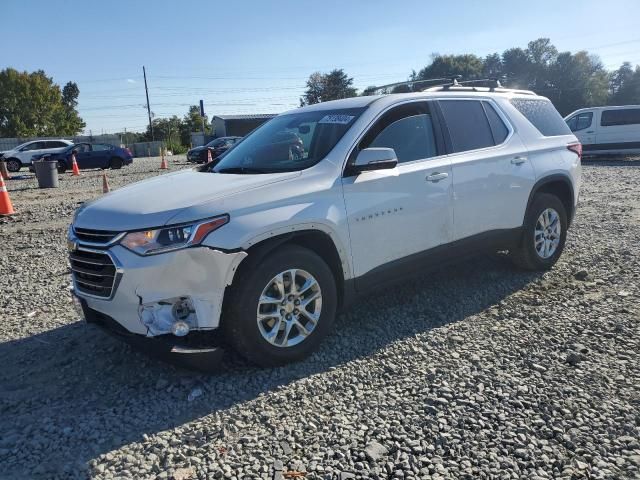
{"x": 316, "y": 240}
{"x": 559, "y": 185}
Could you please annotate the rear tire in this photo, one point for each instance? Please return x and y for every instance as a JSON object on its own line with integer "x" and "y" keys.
{"x": 544, "y": 234}
{"x": 116, "y": 163}
{"x": 62, "y": 166}
{"x": 13, "y": 165}
{"x": 268, "y": 331}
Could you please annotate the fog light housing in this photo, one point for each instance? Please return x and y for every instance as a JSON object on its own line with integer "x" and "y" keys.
{"x": 172, "y": 315}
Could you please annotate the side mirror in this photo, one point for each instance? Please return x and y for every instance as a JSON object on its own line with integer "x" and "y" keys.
{"x": 370, "y": 159}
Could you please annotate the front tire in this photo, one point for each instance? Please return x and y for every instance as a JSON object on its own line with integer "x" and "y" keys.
{"x": 280, "y": 309}
{"x": 544, "y": 235}
{"x": 13, "y": 165}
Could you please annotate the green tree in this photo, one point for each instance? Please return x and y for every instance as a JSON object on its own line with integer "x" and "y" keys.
{"x": 446, "y": 66}
{"x": 575, "y": 81}
{"x": 330, "y": 86}
{"x": 625, "y": 85}
{"x": 192, "y": 122}
{"x": 32, "y": 105}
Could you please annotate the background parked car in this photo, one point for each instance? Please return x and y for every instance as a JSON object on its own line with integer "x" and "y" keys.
{"x": 97, "y": 155}
{"x": 21, "y": 155}
{"x": 217, "y": 147}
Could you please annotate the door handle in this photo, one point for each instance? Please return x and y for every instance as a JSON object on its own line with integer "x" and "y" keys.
{"x": 436, "y": 177}
{"x": 590, "y": 131}
{"x": 518, "y": 160}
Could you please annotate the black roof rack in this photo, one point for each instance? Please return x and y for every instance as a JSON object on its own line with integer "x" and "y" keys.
{"x": 454, "y": 83}
{"x": 408, "y": 82}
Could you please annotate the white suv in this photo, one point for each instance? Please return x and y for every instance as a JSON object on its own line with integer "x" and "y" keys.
{"x": 22, "y": 155}
{"x": 260, "y": 250}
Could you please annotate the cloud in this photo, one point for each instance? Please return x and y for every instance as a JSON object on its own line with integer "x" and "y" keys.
{"x": 131, "y": 80}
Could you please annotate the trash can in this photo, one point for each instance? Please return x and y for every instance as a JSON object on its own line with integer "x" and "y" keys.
{"x": 46, "y": 173}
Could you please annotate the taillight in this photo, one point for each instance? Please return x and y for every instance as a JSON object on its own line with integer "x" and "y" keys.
{"x": 576, "y": 148}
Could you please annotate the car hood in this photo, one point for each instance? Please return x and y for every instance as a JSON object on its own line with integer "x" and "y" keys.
{"x": 154, "y": 202}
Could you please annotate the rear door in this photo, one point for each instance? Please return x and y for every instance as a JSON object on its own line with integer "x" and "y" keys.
{"x": 492, "y": 176}
{"x": 100, "y": 155}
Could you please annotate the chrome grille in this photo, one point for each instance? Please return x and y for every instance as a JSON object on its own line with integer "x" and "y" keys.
{"x": 102, "y": 237}
{"x": 94, "y": 273}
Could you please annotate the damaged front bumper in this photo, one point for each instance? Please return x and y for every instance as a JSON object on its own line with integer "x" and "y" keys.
{"x": 169, "y": 298}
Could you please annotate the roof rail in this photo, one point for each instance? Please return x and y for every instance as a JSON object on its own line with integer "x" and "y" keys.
{"x": 409, "y": 82}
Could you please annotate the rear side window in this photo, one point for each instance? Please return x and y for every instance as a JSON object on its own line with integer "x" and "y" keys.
{"x": 543, "y": 115}
{"x": 627, "y": 116}
{"x": 498, "y": 128}
{"x": 468, "y": 125}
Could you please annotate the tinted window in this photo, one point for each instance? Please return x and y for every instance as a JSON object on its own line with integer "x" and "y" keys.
{"x": 543, "y": 115}
{"x": 408, "y": 129}
{"x": 82, "y": 147}
{"x": 56, "y": 144}
{"x": 627, "y": 116}
{"x": 100, "y": 147}
{"x": 411, "y": 137}
{"x": 580, "y": 121}
{"x": 498, "y": 128}
{"x": 467, "y": 123}
{"x": 33, "y": 146}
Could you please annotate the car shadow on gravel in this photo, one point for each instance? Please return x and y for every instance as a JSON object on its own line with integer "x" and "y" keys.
{"x": 78, "y": 389}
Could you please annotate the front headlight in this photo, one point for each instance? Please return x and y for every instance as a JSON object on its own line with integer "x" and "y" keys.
{"x": 149, "y": 242}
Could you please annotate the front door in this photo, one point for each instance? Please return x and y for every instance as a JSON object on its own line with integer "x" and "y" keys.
{"x": 397, "y": 214}
{"x": 583, "y": 127}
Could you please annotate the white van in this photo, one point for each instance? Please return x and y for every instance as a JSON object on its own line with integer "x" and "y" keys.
{"x": 607, "y": 130}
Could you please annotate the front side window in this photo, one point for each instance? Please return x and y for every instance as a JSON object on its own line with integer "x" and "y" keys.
{"x": 580, "y": 121}
{"x": 623, "y": 116}
{"x": 468, "y": 125}
{"x": 408, "y": 129}
{"x": 33, "y": 146}
{"x": 289, "y": 142}
{"x": 82, "y": 147}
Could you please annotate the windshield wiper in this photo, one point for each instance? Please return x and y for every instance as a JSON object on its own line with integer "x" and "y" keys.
{"x": 242, "y": 170}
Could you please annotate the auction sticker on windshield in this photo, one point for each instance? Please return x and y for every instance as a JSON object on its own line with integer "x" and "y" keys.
{"x": 339, "y": 119}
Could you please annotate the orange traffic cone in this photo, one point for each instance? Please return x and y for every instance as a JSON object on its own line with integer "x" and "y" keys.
{"x": 3, "y": 170}
{"x": 105, "y": 183}
{"x": 5, "y": 202}
{"x": 74, "y": 165}
{"x": 163, "y": 164}
{"x": 209, "y": 158}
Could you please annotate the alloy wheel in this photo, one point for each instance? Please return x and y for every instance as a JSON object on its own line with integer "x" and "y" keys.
{"x": 289, "y": 308}
{"x": 547, "y": 233}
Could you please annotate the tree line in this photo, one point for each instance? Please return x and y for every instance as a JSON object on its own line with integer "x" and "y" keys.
{"x": 569, "y": 80}
{"x": 32, "y": 105}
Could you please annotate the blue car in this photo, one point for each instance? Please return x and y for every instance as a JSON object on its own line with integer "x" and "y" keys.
{"x": 88, "y": 155}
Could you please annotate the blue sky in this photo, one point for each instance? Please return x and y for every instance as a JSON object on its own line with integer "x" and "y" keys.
{"x": 245, "y": 56}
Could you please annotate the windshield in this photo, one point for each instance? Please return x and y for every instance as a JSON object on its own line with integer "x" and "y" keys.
{"x": 215, "y": 143}
{"x": 289, "y": 142}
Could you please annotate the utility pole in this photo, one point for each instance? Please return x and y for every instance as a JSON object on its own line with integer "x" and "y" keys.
{"x": 144, "y": 73}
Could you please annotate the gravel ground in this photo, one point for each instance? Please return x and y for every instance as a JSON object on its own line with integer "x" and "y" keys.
{"x": 479, "y": 371}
